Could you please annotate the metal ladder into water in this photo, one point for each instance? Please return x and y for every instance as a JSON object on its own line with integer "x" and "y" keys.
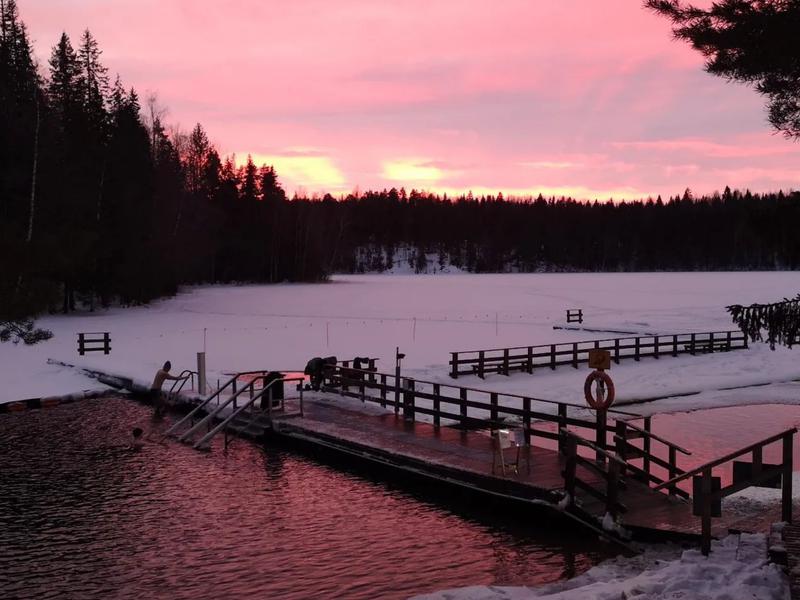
{"x": 217, "y": 413}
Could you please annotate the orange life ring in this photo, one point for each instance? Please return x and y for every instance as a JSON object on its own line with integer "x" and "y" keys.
{"x": 587, "y": 390}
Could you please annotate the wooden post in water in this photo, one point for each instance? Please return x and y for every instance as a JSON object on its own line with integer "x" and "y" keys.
{"x": 530, "y": 359}
{"x": 481, "y": 365}
{"x": 454, "y": 365}
{"x": 383, "y": 390}
{"x": 463, "y": 407}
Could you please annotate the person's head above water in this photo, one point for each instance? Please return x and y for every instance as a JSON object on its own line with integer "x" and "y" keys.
{"x": 167, "y": 366}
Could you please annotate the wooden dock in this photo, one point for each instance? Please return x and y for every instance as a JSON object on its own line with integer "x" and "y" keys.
{"x": 464, "y": 459}
{"x": 618, "y": 480}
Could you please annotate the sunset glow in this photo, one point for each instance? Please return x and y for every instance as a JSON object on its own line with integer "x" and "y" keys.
{"x": 583, "y": 98}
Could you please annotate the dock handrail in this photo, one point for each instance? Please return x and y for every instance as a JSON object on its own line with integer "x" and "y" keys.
{"x": 376, "y": 374}
{"x": 707, "y": 496}
{"x": 199, "y": 407}
{"x": 726, "y": 458}
{"x": 250, "y": 386}
{"x": 584, "y": 442}
{"x": 203, "y": 441}
{"x": 650, "y": 434}
{"x": 179, "y": 383}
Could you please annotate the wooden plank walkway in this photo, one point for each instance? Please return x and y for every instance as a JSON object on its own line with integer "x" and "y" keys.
{"x": 462, "y": 455}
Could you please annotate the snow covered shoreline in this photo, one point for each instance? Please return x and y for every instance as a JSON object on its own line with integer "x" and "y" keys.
{"x": 736, "y": 569}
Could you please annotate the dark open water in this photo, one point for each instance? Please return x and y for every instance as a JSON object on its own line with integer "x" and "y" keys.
{"x": 83, "y": 517}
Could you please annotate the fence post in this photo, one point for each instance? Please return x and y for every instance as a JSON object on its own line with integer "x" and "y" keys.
{"x": 612, "y": 488}
{"x": 616, "y": 350}
{"x": 562, "y": 424}
{"x": 674, "y": 345}
{"x": 575, "y": 354}
{"x": 454, "y": 365}
{"x": 106, "y": 343}
{"x": 621, "y": 443}
{"x": 728, "y": 341}
{"x": 436, "y": 395}
{"x": 786, "y": 490}
{"x": 505, "y": 361}
{"x": 81, "y": 344}
{"x": 552, "y": 357}
{"x": 646, "y": 447}
{"x": 706, "y": 516}
{"x": 711, "y": 342}
{"x": 383, "y": 390}
{"x": 636, "y": 350}
{"x": 481, "y": 365}
{"x": 600, "y": 436}
{"x": 655, "y": 346}
{"x": 408, "y": 401}
{"x": 530, "y": 359}
{"x": 673, "y": 470}
{"x": 571, "y": 450}
{"x": 493, "y": 400}
{"x": 691, "y": 347}
{"x": 463, "y": 407}
{"x": 526, "y": 420}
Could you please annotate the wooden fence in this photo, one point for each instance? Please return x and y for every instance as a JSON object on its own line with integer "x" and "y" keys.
{"x": 528, "y": 358}
{"x": 470, "y": 408}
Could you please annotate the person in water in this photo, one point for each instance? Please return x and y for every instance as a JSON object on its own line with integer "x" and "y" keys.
{"x": 155, "y": 389}
{"x": 137, "y": 442}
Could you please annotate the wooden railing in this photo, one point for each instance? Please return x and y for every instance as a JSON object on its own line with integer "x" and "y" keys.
{"x": 467, "y": 407}
{"x": 706, "y": 498}
{"x": 626, "y": 431}
{"x": 609, "y": 471}
{"x": 528, "y": 358}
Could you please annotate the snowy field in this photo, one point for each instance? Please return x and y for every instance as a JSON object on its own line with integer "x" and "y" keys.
{"x": 280, "y": 327}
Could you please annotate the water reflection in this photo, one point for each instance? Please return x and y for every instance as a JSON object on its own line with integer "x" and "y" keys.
{"x": 82, "y": 516}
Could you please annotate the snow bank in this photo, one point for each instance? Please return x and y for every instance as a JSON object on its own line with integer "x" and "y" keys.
{"x": 737, "y": 568}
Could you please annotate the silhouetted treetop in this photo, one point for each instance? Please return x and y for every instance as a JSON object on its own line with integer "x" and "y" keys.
{"x": 752, "y": 41}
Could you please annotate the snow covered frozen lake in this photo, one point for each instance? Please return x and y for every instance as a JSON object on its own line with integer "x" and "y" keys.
{"x": 280, "y": 327}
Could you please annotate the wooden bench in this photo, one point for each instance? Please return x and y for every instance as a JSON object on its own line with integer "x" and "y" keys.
{"x": 94, "y": 342}
{"x": 707, "y": 346}
{"x": 574, "y": 315}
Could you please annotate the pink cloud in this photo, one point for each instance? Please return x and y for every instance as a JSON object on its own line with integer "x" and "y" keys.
{"x": 458, "y": 93}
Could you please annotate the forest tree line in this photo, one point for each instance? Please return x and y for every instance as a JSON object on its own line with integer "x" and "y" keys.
{"x": 729, "y": 231}
{"x": 101, "y": 201}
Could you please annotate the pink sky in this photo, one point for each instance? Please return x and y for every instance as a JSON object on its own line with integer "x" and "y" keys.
{"x": 582, "y": 97}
